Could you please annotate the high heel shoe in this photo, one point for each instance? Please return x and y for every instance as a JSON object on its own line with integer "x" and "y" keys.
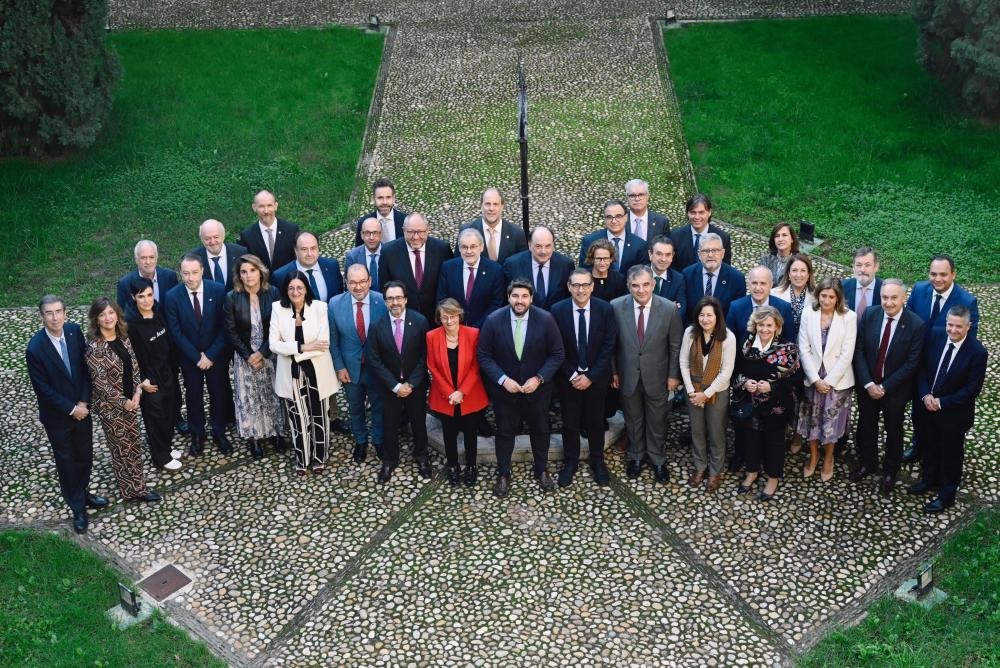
{"x": 743, "y": 489}
{"x": 824, "y": 476}
{"x": 807, "y": 471}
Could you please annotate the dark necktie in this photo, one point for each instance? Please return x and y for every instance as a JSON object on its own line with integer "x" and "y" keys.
{"x": 468, "y": 286}
{"x": 659, "y": 284}
{"x": 936, "y": 311}
{"x": 197, "y": 307}
{"x": 217, "y": 272}
{"x": 540, "y": 287}
{"x": 313, "y": 284}
{"x": 418, "y": 271}
{"x": 373, "y": 270}
{"x": 708, "y": 285}
{"x": 883, "y": 347}
{"x": 697, "y": 244}
{"x": 581, "y": 340}
{"x": 641, "y": 326}
{"x": 943, "y": 369}
{"x": 618, "y": 253}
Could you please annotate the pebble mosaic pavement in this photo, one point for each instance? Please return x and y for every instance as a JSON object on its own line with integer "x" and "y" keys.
{"x": 337, "y": 570}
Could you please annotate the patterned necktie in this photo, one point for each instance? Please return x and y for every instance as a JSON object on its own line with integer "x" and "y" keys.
{"x": 270, "y": 243}
{"x": 468, "y": 286}
{"x": 640, "y": 326}
{"x": 217, "y": 272}
{"x": 883, "y": 348}
{"x": 618, "y": 253}
{"x": 540, "y": 286}
{"x": 398, "y": 335}
{"x": 312, "y": 284}
{"x": 708, "y": 286}
{"x": 418, "y": 271}
{"x": 65, "y": 355}
{"x": 197, "y": 307}
{"x": 943, "y": 369}
{"x": 581, "y": 340}
{"x": 518, "y": 336}
{"x": 936, "y": 311}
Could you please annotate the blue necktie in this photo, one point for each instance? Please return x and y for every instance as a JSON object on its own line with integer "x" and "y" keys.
{"x": 708, "y": 286}
{"x": 581, "y": 340}
{"x": 312, "y": 284}
{"x": 618, "y": 253}
{"x": 373, "y": 271}
{"x": 217, "y": 273}
{"x": 540, "y": 287}
{"x": 65, "y": 356}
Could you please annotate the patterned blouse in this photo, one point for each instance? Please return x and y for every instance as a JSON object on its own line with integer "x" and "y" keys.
{"x": 778, "y": 364}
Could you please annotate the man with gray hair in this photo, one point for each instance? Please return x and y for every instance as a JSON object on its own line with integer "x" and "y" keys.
{"x": 474, "y": 281}
{"x": 218, "y": 257}
{"x": 146, "y": 257}
{"x": 711, "y": 276}
{"x": 415, "y": 261}
{"x": 501, "y": 237}
{"x": 641, "y": 221}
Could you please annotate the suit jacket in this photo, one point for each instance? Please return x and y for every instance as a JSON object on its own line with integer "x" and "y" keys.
{"x": 729, "y": 286}
{"x": 397, "y": 218}
{"x": 560, "y": 267}
{"x": 542, "y": 354}
{"x": 359, "y": 255}
{"x": 633, "y": 249}
{"x": 327, "y": 266}
{"x": 165, "y": 279}
{"x": 470, "y": 383}
{"x": 850, "y": 287}
{"x": 232, "y": 253}
{"x": 739, "y": 314}
{"x": 656, "y": 224}
{"x": 396, "y": 267}
{"x": 236, "y": 320}
{"x": 838, "y": 356}
{"x": 345, "y": 346}
{"x": 684, "y": 255}
{"x": 673, "y": 288}
{"x": 391, "y": 367}
{"x": 512, "y": 238}
{"x": 659, "y": 356}
{"x": 284, "y": 243}
{"x": 902, "y": 358}
{"x": 602, "y": 335}
{"x": 962, "y": 383}
{"x": 190, "y": 338}
{"x": 281, "y": 339}
{"x": 488, "y": 292}
{"x": 921, "y": 302}
{"x": 58, "y": 391}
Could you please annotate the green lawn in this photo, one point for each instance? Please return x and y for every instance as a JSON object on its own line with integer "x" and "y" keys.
{"x": 201, "y": 121}
{"x": 832, "y": 120}
{"x": 961, "y": 632}
{"x": 54, "y": 597}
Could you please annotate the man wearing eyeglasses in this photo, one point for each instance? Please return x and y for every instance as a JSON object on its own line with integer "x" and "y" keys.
{"x": 369, "y": 253}
{"x": 629, "y": 248}
{"x": 711, "y": 276}
{"x": 642, "y": 222}
{"x": 415, "y": 261}
{"x": 589, "y": 332}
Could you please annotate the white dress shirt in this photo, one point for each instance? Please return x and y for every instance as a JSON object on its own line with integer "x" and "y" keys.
{"x": 263, "y": 233}
{"x": 317, "y": 276}
{"x": 944, "y": 299}
{"x": 944, "y": 351}
{"x": 200, "y": 291}
{"x": 545, "y": 274}
{"x": 413, "y": 259}
{"x": 223, "y": 264}
{"x": 892, "y": 333}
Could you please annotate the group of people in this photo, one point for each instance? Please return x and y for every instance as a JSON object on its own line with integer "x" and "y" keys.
{"x": 653, "y": 319}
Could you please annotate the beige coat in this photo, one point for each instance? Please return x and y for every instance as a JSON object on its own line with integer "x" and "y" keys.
{"x": 839, "y": 353}
{"x": 315, "y": 327}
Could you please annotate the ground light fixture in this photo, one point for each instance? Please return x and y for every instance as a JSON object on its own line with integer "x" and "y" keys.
{"x": 128, "y": 600}
{"x": 373, "y": 23}
{"x": 924, "y": 581}
{"x": 807, "y": 231}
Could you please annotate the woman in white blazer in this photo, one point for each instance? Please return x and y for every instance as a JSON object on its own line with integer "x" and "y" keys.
{"x": 797, "y": 286}
{"x": 304, "y": 377}
{"x": 827, "y": 335}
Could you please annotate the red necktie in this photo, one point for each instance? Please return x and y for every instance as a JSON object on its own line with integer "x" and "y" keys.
{"x": 641, "y": 326}
{"x": 468, "y": 287}
{"x": 197, "y": 307}
{"x": 883, "y": 347}
{"x": 359, "y": 322}
{"x": 418, "y": 272}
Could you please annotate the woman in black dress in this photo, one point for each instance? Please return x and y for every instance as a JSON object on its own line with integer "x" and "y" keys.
{"x": 608, "y": 283}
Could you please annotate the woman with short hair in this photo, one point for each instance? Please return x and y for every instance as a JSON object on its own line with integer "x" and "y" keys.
{"x": 608, "y": 284}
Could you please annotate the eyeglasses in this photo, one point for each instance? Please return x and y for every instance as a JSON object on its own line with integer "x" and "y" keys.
{"x": 620, "y": 216}
{"x": 416, "y": 233}
{"x": 372, "y": 233}
{"x": 710, "y": 251}
{"x": 637, "y": 195}
{"x": 395, "y": 299}
{"x": 581, "y": 286}
{"x": 602, "y": 259}
{"x": 358, "y": 284}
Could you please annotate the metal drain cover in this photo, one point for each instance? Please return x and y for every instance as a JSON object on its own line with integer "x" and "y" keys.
{"x": 164, "y": 582}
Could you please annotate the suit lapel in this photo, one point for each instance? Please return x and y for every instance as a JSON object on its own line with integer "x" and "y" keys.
{"x": 54, "y": 355}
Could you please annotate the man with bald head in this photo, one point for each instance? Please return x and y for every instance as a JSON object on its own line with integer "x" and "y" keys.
{"x": 501, "y": 238}
{"x": 218, "y": 257}
{"x": 271, "y": 238}
{"x": 415, "y": 261}
{"x": 541, "y": 265}
{"x": 369, "y": 253}
{"x": 760, "y": 282}
{"x": 323, "y": 273}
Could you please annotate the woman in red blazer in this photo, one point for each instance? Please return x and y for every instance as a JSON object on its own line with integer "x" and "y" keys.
{"x": 457, "y": 392}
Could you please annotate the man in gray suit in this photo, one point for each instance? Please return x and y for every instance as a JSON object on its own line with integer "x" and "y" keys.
{"x": 502, "y": 237}
{"x": 646, "y": 369}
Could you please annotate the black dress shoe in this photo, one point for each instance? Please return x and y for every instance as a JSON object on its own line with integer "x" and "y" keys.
{"x": 282, "y": 444}
{"x": 566, "y": 475}
{"x": 765, "y": 497}
{"x": 256, "y": 450}
{"x": 937, "y": 505}
{"x": 454, "y": 475}
{"x": 183, "y": 428}
{"x": 385, "y": 473}
{"x": 225, "y": 447}
{"x": 197, "y": 445}
{"x": 339, "y": 427}
{"x": 633, "y": 469}
{"x": 94, "y": 501}
{"x": 910, "y": 455}
{"x": 424, "y": 469}
{"x": 859, "y": 473}
{"x": 918, "y": 487}
{"x": 471, "y": 475}
{"x": 661, "y": 473}
{"x": 546, "y": 482}
{"x": 886, "y": 484}
{"x": 600, "y": 472}
{"x": 360, "y": 452}
{"x": 80, "y": 522}
{"x": 502, "y": 486}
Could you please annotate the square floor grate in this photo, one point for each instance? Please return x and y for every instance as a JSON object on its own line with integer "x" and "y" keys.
{"x": 164, "y": 582}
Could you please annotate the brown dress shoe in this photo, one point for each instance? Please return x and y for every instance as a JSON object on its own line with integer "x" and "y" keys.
{"x": 696, "y": 478}
{"x": 713, "y": 483}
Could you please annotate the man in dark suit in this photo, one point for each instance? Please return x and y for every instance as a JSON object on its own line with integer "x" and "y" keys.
{"x": 389, "y": 217}
{"x": 323, "y": 273}
{"x": 712, "y": 277}
{"x": 760, "y": 282}
{"x": 415, "y": 261}
{"x": 520, "y": 351}
{"x": 474, "y": 281}
{"x": 369, "y": 253}
{"x": 217, "y": 256}
{"x": 61, "y": 382}
{"x": 146, "y": 256}
{"x": 951, "y": 376}
{"x": 864, "y": 289}
{"x": 501, "y": 237}
{"x": 642, "y": 222}
{"x": 667, "y": 281}
{"x": 687, "y": 239}
{"x": 542, "y": 266}
{"x": 647, "y": 369}
{"x": 397, "y": 354}
{"x": 886, "y": 357}
{"x": 629, "y": 249}
{"x": 194, "y": 310}
{"x": 589, "y": 332}
{"x": 271, "y": 238}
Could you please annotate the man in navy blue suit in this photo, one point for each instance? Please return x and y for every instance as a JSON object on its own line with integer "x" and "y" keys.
{"x": 369, "y": 253}
{"x": 760, "y": 282}
{"x": 589, "y": 332}
{"x": 61, "y": 382}
{"x": 688, "y": 238}
{"x": 217, "y": 256}
{"x": 642, "y": 222}
{"x": 629, "y": 248}
{"x": 520, "y": 351}
{"x": 863, "y": 290}
{"x": 712, "y": 277}
{"x": 195, "y": 319}
{"x": 542, "y": 266}
{"x": 389, "y": 217}
{"x": 323, "y": 273}
{"x": 951, "y": 376}
{"x": 146, "y": 256}
{"x": 476, "y": 282}
{"x": 667, "y": 281}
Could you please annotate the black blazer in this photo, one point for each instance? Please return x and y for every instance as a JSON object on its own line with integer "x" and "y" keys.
{"x": 236, "y": 320}
{"x": 684, "y": 255}
{"x": 960, "y": 386}
{"x": 397, "y": 218}
{"x": 633, "y": 251}
{"x": 488, "y": 292}
{"x": 385, "y": 361}
{"x": 902, "y": 358}
{"x": 601, "y": 338}
{"x": 395, "y": 266}
{"x": 284, "y": 243}
{"x": 57, "y": 391}
{"x": 233, "y": 253}
{"x": 560, "y": 267}
{"x": 543, "y": 352}
{"x": 512, "y": 238}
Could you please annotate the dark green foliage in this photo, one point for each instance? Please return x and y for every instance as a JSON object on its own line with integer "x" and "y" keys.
{"x": 960, "y": 46}
{"x": 57, "y": 75}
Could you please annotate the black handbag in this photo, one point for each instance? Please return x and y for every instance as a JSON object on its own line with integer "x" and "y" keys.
{"x": 740, "y": 406}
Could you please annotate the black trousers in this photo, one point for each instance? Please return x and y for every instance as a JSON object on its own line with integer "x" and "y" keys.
{"x": 394, "y": 409}
{"x": 534, "y": 409}
{"x": 582, "y": 407}
{"x": 468, "y": 425}
{"x": 892, "y": 409}
{"x": 943, "y": 446}
{"x": 765, "y": 446}
{"x": 220, "y": 394}
{"x": 73, "y": 450}
{"x": 159, "y": 415}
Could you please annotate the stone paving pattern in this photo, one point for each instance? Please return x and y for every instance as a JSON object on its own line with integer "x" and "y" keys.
{"x": 292, "y": 571}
